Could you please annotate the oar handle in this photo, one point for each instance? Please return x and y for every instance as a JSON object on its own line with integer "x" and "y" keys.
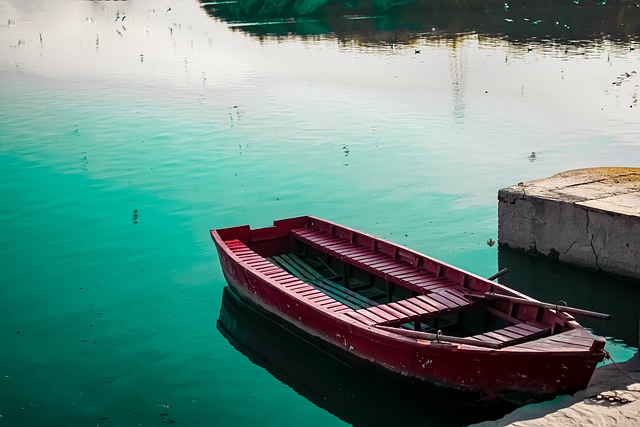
{"x": 499, "y": 274}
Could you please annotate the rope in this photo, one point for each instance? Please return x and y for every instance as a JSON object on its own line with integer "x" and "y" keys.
{"x": 607, "y": 355}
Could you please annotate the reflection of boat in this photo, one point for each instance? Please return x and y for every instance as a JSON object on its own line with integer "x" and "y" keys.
{"x": 420, "y": 320}
{"x": 357, "y": 398}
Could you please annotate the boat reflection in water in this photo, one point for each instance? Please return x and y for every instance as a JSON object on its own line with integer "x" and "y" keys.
{"x": 354, "y": 396}
{"x": 551, "y": 282}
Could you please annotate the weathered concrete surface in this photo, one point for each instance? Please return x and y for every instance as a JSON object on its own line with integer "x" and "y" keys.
{"x": 584, "y": 408}
{"x": 585, "y": 217}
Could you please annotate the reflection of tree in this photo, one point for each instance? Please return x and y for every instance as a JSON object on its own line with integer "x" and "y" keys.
{"x": 401, "y": 20}
{"x": 291, "y": 8}
{"x": 276, "y": 8}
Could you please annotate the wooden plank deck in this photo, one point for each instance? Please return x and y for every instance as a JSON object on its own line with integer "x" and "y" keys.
{"x": 573, "y": 340}
{"x": 286, "y": 279}
{"x": 297, "y": 267}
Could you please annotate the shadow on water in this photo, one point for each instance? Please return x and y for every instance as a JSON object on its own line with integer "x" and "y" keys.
{"x": 551, "y": 282}
{"x": 351, "y": 395}
{"x": 400, "y": 21}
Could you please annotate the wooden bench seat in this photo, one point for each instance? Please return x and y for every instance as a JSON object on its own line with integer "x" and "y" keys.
{"x": 514, "y": 334}
{"x": 410, "y": 309}
{"x": 375, "y": 262}
{"x": 286, "y": 279}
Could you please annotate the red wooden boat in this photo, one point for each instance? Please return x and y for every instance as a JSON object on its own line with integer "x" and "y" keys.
{"x": 420, "y": 320}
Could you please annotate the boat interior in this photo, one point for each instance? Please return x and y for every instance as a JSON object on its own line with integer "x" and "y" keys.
{"x": 381, "y": 284}
{"x": 449, "y": 312}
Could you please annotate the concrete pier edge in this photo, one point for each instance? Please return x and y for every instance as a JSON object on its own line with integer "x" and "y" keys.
{"x": 585, "y": 217}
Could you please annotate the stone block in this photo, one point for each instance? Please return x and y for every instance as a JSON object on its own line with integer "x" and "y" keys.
{"x": 586, "y": 217}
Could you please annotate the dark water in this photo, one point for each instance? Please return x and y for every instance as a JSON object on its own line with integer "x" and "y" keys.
{"x": 552, "y": 282}
{"x": 129, "y": 129}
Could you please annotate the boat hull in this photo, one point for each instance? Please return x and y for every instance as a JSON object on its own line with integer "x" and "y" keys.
{"x": 484, "y": 376}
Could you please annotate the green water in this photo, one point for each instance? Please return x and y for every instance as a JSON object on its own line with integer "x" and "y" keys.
{"x": 119, "y": 150}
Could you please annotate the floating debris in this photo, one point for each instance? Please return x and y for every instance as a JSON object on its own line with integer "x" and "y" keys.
{"x": 624, "y": 77}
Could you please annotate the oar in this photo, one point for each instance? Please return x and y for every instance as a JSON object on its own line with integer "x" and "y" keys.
{"x": 438, "y": 337}
{"x": 556, "y": 307}
{"x": 499, "y": 274}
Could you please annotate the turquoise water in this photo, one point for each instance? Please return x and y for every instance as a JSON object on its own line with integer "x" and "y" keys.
{"x": 123, "y": 142}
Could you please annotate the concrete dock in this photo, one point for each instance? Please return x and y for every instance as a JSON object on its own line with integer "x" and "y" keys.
{"x": 612, "y": 399}
{"x": 585, "y": 217}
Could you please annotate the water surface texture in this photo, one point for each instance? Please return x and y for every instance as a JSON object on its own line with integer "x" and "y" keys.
{"x": 128, "y": 129}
